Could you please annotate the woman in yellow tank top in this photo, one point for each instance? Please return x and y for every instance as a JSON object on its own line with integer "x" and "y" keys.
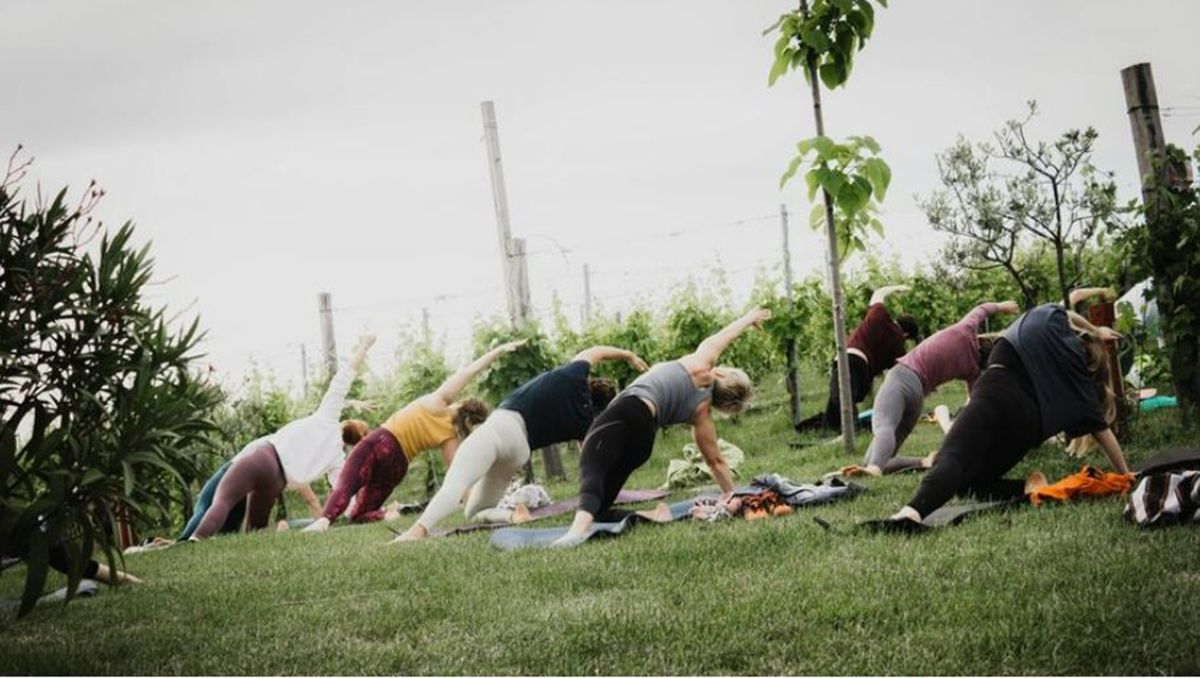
{"x": 380, "y": 460}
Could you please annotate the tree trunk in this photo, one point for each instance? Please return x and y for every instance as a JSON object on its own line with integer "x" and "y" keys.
{"x": 845, "y": 397}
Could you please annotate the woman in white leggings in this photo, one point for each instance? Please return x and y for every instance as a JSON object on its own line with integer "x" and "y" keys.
{"x": 553, "y": 407}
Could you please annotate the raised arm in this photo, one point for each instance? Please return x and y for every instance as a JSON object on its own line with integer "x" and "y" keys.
{"x": 596, "y": 354}
{"x": 1084, "y": 293}
{"x": 334, "y": 399}
{"x": 704, "y": 432}
{"x": 1112, "y": 448}
{"x": 445, "y": 394}
{"x": 710, "y": 349}
{"x": 1082, "y": 325}
{"x": 886, "y": 291}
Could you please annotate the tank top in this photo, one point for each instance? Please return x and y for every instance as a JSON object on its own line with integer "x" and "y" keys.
{"x": 669, "y": 386}
{"x": 417, "y": 429}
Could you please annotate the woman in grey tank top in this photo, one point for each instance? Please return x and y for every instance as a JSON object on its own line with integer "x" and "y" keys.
{"x": 680, "y": 391}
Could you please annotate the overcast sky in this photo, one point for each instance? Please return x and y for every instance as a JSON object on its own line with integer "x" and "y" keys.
{"x": 274, "y": 150}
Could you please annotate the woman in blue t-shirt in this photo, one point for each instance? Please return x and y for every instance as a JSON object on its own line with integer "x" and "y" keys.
{"x": 1048, "y": 374}
{"x": 553, "y": 407}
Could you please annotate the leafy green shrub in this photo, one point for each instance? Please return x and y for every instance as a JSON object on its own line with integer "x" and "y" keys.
{"x": 536, "y": 356}
{"x": 102, "y": 410}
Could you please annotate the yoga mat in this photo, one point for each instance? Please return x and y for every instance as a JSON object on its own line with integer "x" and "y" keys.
{"x": 957, "y": 513}
{"x": 513, "y": 538}
{"x": 1181, "y": 459}
{"x": 624, "y": 497}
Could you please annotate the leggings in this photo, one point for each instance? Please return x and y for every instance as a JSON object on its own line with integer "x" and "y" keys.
{"x": 372, "y": 470}
{"x": 258, "y": 478}
{"x": 860, "y": 386}
{"x": 484, "y": 464}
{"x": 236, "y": 515}
{"x": 997, "y": 428}
{"x": 619, "y": 441}
{"x": 897, "y": 409}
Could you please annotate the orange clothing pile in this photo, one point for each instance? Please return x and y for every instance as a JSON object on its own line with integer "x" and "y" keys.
{"x": 1089, "y": 482}
{"x": 763, "y": 504}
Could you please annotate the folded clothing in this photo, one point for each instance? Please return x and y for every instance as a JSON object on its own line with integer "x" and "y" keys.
{"x": 1165, "y": 499}
{"x": 692, "y": 469}
{"x": 533, "y": 496}
{"x": 1089, "y": 482}
{"x": 806, "y": 494}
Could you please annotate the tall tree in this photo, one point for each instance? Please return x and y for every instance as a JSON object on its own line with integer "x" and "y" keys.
{"x": 997, "y": 194}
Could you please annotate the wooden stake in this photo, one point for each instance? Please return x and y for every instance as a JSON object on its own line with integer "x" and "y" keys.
{"x": 793, "y": 374}
{"x": 328, "y": 345}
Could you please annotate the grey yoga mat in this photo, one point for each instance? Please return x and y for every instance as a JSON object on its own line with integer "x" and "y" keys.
{"x": 624, "y": 497}
{"x": 513, "y": 538}
{"x": 943, "y": 517}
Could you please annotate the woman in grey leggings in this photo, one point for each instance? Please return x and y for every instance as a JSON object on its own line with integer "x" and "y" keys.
{"x": 953, "y": 353}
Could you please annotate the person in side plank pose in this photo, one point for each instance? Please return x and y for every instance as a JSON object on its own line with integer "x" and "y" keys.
{"x": 298, "y": 453}
{"x": 553, "y": 407}
{"x": 1048, "y": 373}
{"x": 621, "y": 439}
{"x": 381, "y": 460}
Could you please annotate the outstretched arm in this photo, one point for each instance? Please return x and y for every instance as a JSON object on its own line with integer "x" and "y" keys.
{"x": 1112, "y": 448}
{"x": 596, "y": 354}
{"x": 886, "y": 291}
{"x": 710, "y": 349}
{"x": 1082, "y": 325}
{"x": 1084, "y": 293}
{"x": 445, "y": 394}
{"x": 310, "y": 498}
{"x": 704, "y": 432}
{"x": 335, "y": 396}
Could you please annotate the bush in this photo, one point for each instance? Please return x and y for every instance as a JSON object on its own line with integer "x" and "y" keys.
{"x": 102, "y": 411}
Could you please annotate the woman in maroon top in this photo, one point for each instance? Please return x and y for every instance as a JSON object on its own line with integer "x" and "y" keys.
{"x": 873, "y": 347}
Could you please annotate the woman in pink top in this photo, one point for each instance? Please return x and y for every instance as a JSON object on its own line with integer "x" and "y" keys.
{"x": 952, "y": 353}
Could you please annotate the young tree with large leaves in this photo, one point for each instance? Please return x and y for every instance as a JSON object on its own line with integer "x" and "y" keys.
{"x": 821, "y": 40}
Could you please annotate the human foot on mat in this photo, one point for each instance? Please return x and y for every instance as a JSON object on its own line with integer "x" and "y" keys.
{"x": 521, "y": 514}
{"x": 661, "y": 513}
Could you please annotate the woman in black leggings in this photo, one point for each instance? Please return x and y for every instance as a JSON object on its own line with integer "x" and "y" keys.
{"x": 680, "y": 391}
{"x": 1048, "y": 374}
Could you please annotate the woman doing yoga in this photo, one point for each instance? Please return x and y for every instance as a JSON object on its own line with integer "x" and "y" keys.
{"x": 873, "y": 347}
{"x": 380, "y": 461}
{"x": 622, "y": 437}
{"x": 553, "y": 407}
{"x": 952, "y": 353}
{"x": 298, "y": 453}
{"x": 1048, "y": 373}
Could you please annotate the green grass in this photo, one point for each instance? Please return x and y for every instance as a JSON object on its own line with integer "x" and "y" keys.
{"x": 1063, "y": 589}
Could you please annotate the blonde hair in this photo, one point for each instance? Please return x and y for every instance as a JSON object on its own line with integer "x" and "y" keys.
{"x": 732, "y": 389}
{"x": 1099, "y": 369}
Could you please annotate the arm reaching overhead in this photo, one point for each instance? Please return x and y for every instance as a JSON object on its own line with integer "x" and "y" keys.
{"x": 1080, "y": 324}
{"x": 886, "y": 291}
{"x": 596, "y": 354}
{"x": 1085, "y": 293}
{"x": 445, "y": 394}
{"x": 706, "y": 355}
{"x": 335, "y": 396}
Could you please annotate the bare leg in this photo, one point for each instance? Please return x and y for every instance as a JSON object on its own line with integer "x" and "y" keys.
{"x": 105, "y": 575}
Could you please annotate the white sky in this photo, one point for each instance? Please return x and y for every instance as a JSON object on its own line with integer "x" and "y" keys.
{"x": 273, "y": 150}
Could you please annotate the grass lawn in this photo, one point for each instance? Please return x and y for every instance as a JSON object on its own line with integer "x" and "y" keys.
{"x": 1062, "y": 589}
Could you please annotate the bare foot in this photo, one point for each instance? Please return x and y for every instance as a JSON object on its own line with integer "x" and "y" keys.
{"x": 941, "y": 414}
{"x": 928, "y": 460}
{"x": 855, "y": 470}
{"x": 660, "y": 514}
{"x": 521, "y": 514}
{"x": 319, "y": 525}
{"x": 282, "y": 526}
{"x": 415, "y": 533}
{"x": 1035, "y": 481}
